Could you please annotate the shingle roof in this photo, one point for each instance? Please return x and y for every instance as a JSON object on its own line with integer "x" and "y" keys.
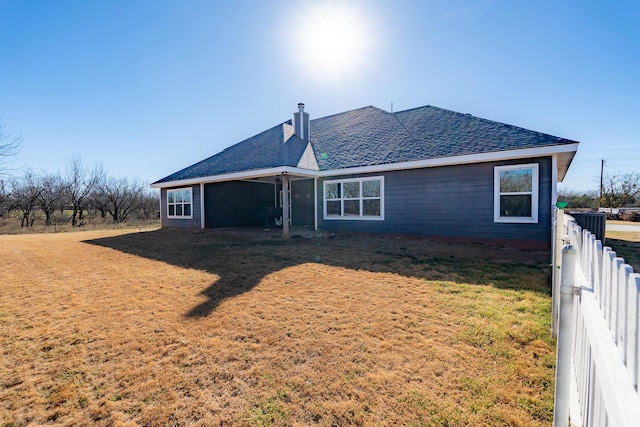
{"x": 265, "y": 150}
{"x": 370, "y": 136}
{"x": 442, "y": 133}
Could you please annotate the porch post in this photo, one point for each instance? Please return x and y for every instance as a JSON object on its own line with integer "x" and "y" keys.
{"x": 285, "y": 205}
{"x": 315, "y": 204}
{"x": 202, "y": 211}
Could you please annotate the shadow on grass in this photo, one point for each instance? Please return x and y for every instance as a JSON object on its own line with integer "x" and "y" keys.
{"x": 242, "y": 260}
{"x": 627, "y": 249}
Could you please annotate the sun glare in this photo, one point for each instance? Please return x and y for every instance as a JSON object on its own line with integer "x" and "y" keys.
{"x": 333, "y": 41}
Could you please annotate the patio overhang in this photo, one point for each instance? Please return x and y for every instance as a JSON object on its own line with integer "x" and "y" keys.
{"x": 276, "y": 176}
{"x": 269, "y": 174}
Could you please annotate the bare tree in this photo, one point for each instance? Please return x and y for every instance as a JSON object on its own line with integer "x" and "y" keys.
{"x": 620, "y": 190}
{"x": 119, "y": 197}
{"x": 6, "y": 201}
{"x": 80, "y": 182}
{"x": 150, "y": 206}
{"x": 25, "y": 194}
{"x": 52, "y": 195}
{"x": 8, "y": 147}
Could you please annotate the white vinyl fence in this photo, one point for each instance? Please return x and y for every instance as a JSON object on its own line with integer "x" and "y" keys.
{"x": 603, "y": 338}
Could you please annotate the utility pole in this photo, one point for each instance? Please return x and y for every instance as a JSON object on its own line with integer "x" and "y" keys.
{"x": 601, "y": 183}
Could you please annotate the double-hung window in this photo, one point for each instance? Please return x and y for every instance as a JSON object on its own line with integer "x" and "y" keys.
{"x": 516, "y": 193}
{"x": 357, "y": 198}
{"x": 179, "y": 203}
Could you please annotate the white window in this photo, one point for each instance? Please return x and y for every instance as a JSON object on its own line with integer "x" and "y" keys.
{"x": 179, "y": 203}
{"x": 357, "y": 198}
{"x": 515, "y": 197}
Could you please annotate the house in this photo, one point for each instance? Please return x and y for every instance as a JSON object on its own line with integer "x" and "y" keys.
{"x": 426, "y": 172}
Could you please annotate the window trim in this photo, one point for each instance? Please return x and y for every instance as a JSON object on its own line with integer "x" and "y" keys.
{"x": 535, "y": 194}
{"x": 175, "y": 190}
{"x": 361, "y": 217}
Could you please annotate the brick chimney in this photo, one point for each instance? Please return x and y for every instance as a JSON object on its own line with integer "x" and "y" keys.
{"x": 301, "y": 123}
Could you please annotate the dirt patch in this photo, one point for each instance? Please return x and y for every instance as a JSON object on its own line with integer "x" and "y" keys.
{"x": 203, "y": 328}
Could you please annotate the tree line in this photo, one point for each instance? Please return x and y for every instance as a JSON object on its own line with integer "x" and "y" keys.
{"x": 63, "y": 197}
{"x": 67, "y": 197}
{"x": 617, "y": 190}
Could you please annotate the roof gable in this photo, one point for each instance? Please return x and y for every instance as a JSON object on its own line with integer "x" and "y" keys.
{"x": 308, "y": 159}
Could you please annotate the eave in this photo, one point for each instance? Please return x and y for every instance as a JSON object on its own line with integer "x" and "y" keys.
{"x": 238, "y": 176}
{"x": 565, "y": 154}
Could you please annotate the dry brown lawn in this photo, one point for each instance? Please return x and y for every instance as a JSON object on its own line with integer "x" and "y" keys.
{"x": 164, "y": 327}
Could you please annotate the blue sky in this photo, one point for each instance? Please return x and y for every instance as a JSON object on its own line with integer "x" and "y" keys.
{"x": 149, "y": 87}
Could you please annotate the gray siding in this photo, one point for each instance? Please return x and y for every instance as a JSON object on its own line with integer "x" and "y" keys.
{"x": 181, "y": 223}
{"x": 451, "y": 201}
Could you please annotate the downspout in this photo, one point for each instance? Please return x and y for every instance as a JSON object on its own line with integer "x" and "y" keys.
{"x": 202, "y": 222}
{"x": 566, "y": 329}
{"x": 558, "y": 241}
{"x": 555, "y": 249}
{"x": 554, "y": 179}
{"x": 554, "y": 200}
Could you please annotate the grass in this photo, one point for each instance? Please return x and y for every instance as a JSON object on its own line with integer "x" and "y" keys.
{"x": 163, "y": 327}
{"x": 626, "y": 244}
{"x": 62, "y": 224}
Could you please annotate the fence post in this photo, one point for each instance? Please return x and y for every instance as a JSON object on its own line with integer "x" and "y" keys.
{"x": 565, "y": 337}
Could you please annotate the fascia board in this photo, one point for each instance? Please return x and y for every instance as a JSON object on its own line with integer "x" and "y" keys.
{"x": 456, "y": 160}
{"x": 569, "y": 149}
{"x": 238, "y": 176}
